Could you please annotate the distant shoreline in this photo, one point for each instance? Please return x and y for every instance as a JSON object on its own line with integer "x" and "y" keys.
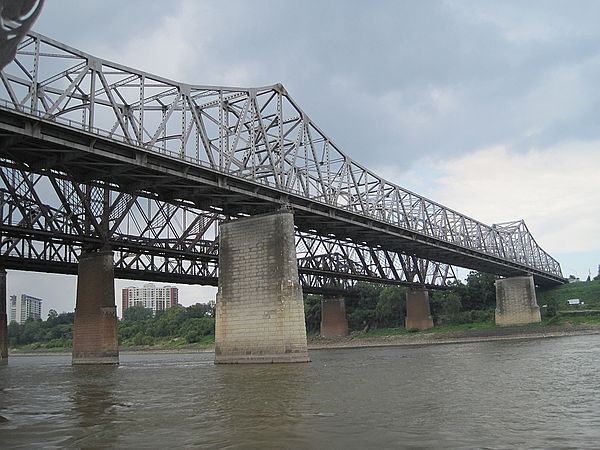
{"x": 454, "y": 337}
{"x": 407, "y": 339}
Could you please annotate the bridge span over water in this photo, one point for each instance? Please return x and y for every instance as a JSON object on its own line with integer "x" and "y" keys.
{"x": 97, "y": 158}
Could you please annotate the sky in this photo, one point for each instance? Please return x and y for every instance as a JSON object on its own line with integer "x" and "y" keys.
{"x": 490, "y": 108}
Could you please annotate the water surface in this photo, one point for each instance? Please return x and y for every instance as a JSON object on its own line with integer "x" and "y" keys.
{"x": 541, "y": 393}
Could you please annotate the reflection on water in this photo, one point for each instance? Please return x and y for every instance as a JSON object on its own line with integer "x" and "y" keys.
{"x": 258, "y": 404}
{"x": 534, "y": 394}
{"x": 94, "y": 404}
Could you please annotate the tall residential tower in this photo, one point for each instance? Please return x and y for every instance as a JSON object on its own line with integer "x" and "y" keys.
{"x": 151, "y": 297}
{"x": 24, "y": 307}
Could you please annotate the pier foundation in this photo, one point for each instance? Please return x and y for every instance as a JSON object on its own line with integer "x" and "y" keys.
{"x": 95, "y": 329}
{"x": 334, "y": 322}
{"x": 3, "y": 319}
{"x": 260, "y": 309}
{"x": 516, "y": 303}
{"x": 418, "y": 313}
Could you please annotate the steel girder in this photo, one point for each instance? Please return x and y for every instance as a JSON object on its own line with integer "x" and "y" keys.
{"x": 49, "y": 219}
{"x": 258, "y": 146}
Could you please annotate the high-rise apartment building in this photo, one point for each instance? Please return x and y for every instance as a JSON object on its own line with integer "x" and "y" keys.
{"x": 151, "y": 297}
{"x": 24, "y": 307}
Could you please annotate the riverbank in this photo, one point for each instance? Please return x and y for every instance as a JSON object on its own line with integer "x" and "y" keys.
{"x": 356, "y": 340}
{"x": 431, "y": 337}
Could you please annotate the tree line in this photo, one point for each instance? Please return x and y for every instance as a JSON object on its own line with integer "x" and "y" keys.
{"x": 368, "y": 306}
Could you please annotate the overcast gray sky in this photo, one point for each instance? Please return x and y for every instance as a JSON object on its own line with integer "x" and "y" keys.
{"x": 489, "y": 107}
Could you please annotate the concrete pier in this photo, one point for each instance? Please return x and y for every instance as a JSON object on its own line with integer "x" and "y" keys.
{"x": 334, "y": 322}
{"x": 3, "y": 319}
{"x": 516, "y": 303}
{"x": 260, "y": 309}
{"x": 418, "y": 313}
{"x": 95, "y": 329}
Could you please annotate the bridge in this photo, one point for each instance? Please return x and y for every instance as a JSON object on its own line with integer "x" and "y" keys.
{"x": 106, "y": 170}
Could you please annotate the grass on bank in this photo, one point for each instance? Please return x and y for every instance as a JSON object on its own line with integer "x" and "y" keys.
{"x": 565, "y": 320}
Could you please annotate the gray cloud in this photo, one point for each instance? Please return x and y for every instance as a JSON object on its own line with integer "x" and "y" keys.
{"x": 400, "y": 79}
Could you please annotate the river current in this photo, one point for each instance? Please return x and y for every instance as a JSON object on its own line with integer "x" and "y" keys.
{"x": 539, "y": 393}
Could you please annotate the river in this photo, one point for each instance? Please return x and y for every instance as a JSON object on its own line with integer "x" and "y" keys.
{"x": 537, "y": 393}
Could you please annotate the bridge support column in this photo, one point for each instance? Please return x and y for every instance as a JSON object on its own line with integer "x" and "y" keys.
{"x": 418, "y": 314}
{"x": 260, "y": 310}
{"x": 95, "y": 329}
{"x": 3, "y": 319}
{"x": 516, "y": 303}
{"x": 334, "y": 322}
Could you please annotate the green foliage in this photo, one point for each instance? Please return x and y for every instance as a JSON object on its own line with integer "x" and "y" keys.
{"x": 480, "y": 291}
{"x": 588, "y": 292}
{"x": 195, "y": 329}
{"x": 175, "y": 325}
{"x": 57, "y": 331}
{"x": 137, "y": 313}
{"x": 172, "y": 327}
{"x": 445, "y": 306}
{"x": 312, "y": 312}
{"x": 391, "y": 306}
{"x": 375, "y": 306}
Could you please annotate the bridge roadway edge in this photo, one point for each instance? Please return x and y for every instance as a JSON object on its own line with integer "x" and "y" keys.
{"x": 235, "y": 194}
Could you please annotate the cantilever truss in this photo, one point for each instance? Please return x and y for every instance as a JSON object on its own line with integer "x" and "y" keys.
{"x": 255, "y": 134}
{"x": 47, "y": 220}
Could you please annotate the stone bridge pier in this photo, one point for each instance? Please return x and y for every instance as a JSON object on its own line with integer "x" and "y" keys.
{"x": 334, "y": 322}
{"x": 260, "y": 309}
{"x": 95, "y": 338}
{"x": 516, "y": 303}
{"x": 3, "y": 319}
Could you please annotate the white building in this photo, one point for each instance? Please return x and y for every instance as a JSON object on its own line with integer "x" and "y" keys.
{"x": 24, "y": 307}
{"x": 151, "y": 297}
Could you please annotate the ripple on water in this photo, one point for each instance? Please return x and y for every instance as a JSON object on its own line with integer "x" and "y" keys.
{"x": 535, "y": 394}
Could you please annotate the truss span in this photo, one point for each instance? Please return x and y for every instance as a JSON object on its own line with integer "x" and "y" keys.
{"x": 232, "y": 150}
{"x": 46, "y": 221}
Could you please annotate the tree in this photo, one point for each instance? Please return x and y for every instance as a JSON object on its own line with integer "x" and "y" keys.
{"x": 200, "y": 310}
{"x": 312, "y": 312}
{"x": 52, "y": 315}
{"x": 480, "y": 292}
{"x": 445, "y": 306}
{"x": 193, "y": 330}
{"x": 390, "y": 307}
{"x": 137, "y": 313}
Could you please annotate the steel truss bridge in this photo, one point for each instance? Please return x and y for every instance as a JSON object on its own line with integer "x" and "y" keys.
{"x": 95, "y": 154}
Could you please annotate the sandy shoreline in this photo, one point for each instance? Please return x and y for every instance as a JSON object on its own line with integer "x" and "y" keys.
{"x": 352, "y": 341}
{"x": 454, "y": 337}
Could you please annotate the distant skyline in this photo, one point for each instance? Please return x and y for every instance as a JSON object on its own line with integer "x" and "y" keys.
{"x": 489, "y": 108}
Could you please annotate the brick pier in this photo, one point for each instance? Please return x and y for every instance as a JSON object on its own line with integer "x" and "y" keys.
{"x": 418, "y": 313}
{"x": 334, "y": 322}
{"x": 95, "y": 329}
{"x": 260, "y": 309}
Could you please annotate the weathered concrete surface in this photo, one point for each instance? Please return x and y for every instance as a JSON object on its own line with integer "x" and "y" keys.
{"x": 516, "y": 302}
{"x": 3, "y": 319}
{"x": 95, "y": 329}
{"x": 260, "y": 310}
{"x": 418, "y": 313}
{"x": 334, "y": 322}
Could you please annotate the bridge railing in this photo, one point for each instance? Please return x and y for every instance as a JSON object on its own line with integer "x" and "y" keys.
{"x": 259, "y": 134}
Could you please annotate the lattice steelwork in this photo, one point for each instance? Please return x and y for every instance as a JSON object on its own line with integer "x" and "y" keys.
{"x": 47, "y": 220}
{"x": 260, "y": 136}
